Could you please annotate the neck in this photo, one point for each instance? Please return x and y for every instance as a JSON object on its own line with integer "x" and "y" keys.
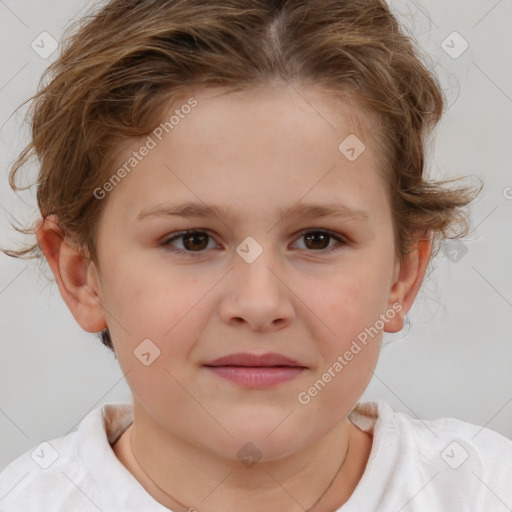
{"x": 181, "y": 476}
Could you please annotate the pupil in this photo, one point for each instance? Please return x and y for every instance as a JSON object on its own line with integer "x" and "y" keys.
{"x": 322, "y": 236}
{"x": 194, "y": 236}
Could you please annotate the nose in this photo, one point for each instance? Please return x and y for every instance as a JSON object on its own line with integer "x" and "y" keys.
{"x": 257, "y": 295}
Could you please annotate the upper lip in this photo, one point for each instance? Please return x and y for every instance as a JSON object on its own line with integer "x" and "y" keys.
{"x": 247, "y": 359}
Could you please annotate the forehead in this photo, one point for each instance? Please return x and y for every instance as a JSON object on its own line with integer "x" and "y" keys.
{"x": 271, "y": 144}
{"x": 315, "y": 107}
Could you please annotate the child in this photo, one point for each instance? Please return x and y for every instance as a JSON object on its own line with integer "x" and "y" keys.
{"x": 289, "y": 137}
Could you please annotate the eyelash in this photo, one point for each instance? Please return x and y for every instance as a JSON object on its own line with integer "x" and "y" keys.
{"x": 166, "y": 243}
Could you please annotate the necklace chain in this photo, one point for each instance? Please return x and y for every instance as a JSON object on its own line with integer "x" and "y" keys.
{"x": 191, "y": 508}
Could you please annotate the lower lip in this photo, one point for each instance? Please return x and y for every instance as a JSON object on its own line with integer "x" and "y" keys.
{"x": 257, "y": 376}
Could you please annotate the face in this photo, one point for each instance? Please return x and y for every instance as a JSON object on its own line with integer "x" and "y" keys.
{"x": 266, "y": 273}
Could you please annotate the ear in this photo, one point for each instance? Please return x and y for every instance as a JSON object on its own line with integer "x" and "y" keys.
{"x": 407, "y": 280}
{"x": 76, "y": 276}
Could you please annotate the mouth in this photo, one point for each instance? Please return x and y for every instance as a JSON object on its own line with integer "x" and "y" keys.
{"x": 256, "y": 371}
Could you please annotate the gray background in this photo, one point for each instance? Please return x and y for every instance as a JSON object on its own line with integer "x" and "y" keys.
{"x": 456, "y": 359}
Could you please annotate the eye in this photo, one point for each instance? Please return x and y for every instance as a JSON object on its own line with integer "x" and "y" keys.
{"x": 193, "y": 241}
{"x": 196, "y": 241}
{"x": 316, "y": 239}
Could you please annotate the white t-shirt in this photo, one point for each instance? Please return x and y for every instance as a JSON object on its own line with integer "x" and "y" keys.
{"x": 414, "y": 465}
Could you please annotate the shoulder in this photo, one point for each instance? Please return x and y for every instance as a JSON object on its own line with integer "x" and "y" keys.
{"x": 454, "y": 441}
{"x": 47, "y": 477}
{"x": 456, "y": 464}
{"x": 472, "y": 462}
{"x": 430, "y": 435}
{"x": 65, "y": 473}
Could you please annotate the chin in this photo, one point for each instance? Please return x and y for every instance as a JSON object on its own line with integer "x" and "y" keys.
{"x": 267, "y": 443}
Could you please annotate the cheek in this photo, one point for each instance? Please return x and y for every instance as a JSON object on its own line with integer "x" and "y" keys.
{"x": 351, "y": 301}
{"x": 149, "y": 300}
{"x": 167, "y": 306}
{"x": 350, "y": 355}
{"x": 349, "y": 337}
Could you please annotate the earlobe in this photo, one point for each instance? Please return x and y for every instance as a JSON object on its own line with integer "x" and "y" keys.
{"x": 409, "y": 277}
{"x": 74, "y": 276}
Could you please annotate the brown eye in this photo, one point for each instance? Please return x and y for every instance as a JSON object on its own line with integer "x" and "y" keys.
{"x": 195, "y": 241}
{"x": 319, "y": 240}
{"x": 191, "y": 241}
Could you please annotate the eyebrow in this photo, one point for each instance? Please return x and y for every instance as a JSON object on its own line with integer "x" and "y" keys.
{"x": 201, "y": 210}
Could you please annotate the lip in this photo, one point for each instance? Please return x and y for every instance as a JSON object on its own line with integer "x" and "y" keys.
{"x": 256, "y": 371}
{"x": 248, "y": 359}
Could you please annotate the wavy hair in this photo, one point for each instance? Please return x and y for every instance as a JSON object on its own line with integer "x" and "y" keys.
{"x": 121, "y": 65}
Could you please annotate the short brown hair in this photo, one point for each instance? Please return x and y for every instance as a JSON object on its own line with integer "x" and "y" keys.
{"x": 121, "y": 65}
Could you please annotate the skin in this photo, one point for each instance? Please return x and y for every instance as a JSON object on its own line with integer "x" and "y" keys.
{"x": 257, "y": 153}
